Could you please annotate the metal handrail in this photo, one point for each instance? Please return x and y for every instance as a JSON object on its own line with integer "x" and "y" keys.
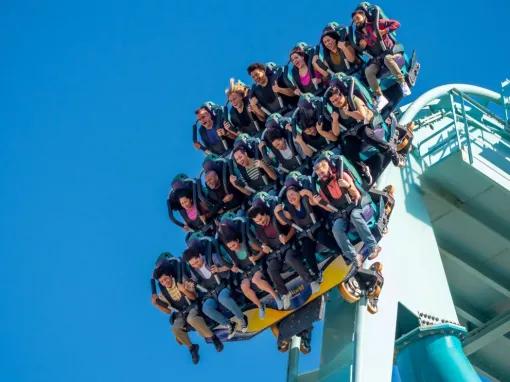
{"x": 464, "y": 126}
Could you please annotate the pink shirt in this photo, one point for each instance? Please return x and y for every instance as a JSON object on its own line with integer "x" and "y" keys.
{"x": 192, "y": 213}
{"x": 305, "y": 80}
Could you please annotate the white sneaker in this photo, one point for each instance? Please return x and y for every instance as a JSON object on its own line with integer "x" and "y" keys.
{"x": 262, "y": 311}
{"x": 243, "y": 325}
{"x": 232, "y": 328}
{"x": 279, "y": 303}
{"x": 380, "y": 102}
{"x": 406, "y": 91}
{"x": 286, "y": 301}
{"x": 315, "y": 286}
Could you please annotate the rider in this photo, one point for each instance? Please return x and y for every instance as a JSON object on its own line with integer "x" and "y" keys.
{"x": 179, "y": 301}
{"x": 304, "y": 76}
{"x": 280, "y": 142}
{"x": 245, "y": 260}
{"x": 269, "y": 94}
{"x": 242, "y": 117}
{"x": 360, "y": 116}
{"x": 297, "y": 208}
{"x": 274, "y": 239}
{"x": 181, "y": 199}
{"x": 210, "y": 274}
{"x": 220, "y": 194}
{"x": 308, "y": 123}
{"x": 337, "y": 188}
{"x": 251, "y": 171}
{"x": 368, "y": 41}
{"x": 210, "y": 119}
{"x": 338, "y": 55}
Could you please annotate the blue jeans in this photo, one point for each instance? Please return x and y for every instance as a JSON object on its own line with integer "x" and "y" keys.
{"x": 339, "y": 232}
{"x": 210, "y": 307}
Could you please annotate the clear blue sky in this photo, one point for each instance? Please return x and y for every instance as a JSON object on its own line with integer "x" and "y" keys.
{"x": 97, "y": 102}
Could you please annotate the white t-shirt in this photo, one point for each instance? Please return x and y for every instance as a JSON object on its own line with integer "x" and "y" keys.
{"x": 204, "y": 272}
{"x": 287, "y": 153}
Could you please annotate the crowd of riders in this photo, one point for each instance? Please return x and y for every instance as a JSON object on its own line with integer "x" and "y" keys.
{"x": 288, "y": 164}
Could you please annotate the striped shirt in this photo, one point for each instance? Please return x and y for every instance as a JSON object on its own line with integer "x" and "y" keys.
{"x": 174, "y": 292}
{"x": 254, "y": 172}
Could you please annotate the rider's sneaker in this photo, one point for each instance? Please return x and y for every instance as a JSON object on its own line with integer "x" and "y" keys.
{"x": 353, "y": 284}
{"x": 358, "y": 260}
{"x": 231, "y": 330}
{"x": 315, "y": 286}
{"x": 374, "y": 253}
{"x": 243, "y": 325}
{"x": 218, "y": 345}
{"x": 372, "y": 305}
{"x": 305, "y": 347}
{"x": 262, "y": 311}
{"x": 397, "y": 159}
{"x": 380, "y": 102}
{"x": 286, "y": 301}
{"x": 194, "y": 354}
{"x": 365, "y": 173}
{"x": 406, "y": 91}
{"x": 279, "y": 303}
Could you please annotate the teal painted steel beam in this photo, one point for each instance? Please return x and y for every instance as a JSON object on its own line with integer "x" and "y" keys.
{"x": 476, "y": 321}
{"x": 468, "y": 316}
{"x": 359, "y": 362}
{"x": 293, "y": 362}
{"x": 434, "y": 189}
{"x": 489, "y": 332}
{"x": 472, "y": 271}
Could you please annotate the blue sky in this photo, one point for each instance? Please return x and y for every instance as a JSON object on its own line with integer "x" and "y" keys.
{"x": 97, "y": 103}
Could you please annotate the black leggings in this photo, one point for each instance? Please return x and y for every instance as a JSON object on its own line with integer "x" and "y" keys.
{"x": 351, "y": 148}
{"x": 326, "y": 238}
{"x": 308, "y": 247}
{"x": 275, "y": 265}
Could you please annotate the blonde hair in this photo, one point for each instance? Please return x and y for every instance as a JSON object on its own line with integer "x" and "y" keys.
{"x": 237, "y": 87}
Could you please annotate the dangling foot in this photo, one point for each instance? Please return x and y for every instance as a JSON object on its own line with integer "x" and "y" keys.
{"x": 194, "y": 354}
{"x": 365, "y": 173}
{"x": 380, "y": 102}
{"x": 358, "y": 260}
{"x": 283, "y": 346}
{"x": 262, "y": 311}
{"x": 372, "y": 305}
{"x": 375, "y": 252}
{"x": 243, "y": 325}
{"x": 279, "y": 303}
{"x": 231, "y": 330}
{"x": 315, "y": 286}
{"x": 305, "y": 347}
{"x": 396, "y": 158}
{"x": 286, "y": 301}
{"x": 406, "y": 91}
{"x": 217, "y": 343}
{"x": 353, "y": 284}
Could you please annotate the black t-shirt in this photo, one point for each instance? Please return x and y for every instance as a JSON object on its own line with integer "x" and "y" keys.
{"x": 242, "y": 121}
{"x": 266, "y": 97}
{"x": 317, "y": 141}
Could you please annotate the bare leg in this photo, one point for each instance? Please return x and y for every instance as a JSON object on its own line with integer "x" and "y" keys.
{"x": 263, "y": 284}
{"x": 250, "y": 293}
